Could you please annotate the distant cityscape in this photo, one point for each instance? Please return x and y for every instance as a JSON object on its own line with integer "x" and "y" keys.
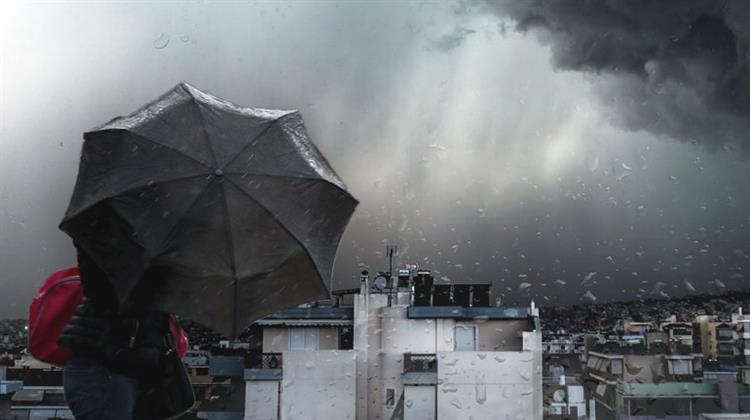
{"x": 572, "y": 319}
{"x": 608, "y": 317}
{"x": 403, "y": 347}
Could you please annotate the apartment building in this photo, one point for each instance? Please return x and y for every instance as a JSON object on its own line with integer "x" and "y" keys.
{"x": 406, "y": 348}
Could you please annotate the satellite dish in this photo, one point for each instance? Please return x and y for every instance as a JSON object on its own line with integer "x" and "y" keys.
{"x": 378, "y": 283}
{"x": 559, "y": 395}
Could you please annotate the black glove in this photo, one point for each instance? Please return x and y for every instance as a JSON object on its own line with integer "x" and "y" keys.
{"x": 90, "y": 331}
{"x": 111, "y": 338}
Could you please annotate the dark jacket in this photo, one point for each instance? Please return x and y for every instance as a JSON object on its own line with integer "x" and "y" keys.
{"x": 125, "y": 338}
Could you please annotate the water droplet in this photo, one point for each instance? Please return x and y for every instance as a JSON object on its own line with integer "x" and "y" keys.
{"x": 480, "y": 389}
{"x": 623, "y": 175}
{"x": 446, "y": 388}
{"x": 161, "y": 42}
{"x": 689, "y": 286}
{"x": 589, "y": 295}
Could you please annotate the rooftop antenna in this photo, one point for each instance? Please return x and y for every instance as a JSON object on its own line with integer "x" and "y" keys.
{"x": 391, "y": 251}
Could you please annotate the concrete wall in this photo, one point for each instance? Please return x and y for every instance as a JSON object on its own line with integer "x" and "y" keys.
{"x": 420, "y": 403}
{"x": 398, "y": 335}
{"x": 261, "y": 400}
{"x": 328, "y": 338}
{"x": 317, "y": 384}
{"x": 276, "y": 339}
{"x": 489, "y": 385}
{"x": 367, "y": 336}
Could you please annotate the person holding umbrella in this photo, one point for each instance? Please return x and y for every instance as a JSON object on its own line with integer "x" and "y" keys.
{"x": 117, "y": 352}
{"x": 198, "y": 207}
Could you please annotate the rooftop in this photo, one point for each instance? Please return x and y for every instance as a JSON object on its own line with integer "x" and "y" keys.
{"x": 459, "y": 312}
{"x": 318, "y": 312}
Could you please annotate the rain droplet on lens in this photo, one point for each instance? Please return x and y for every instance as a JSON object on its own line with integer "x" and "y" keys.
{"x": 590, "y": 296}
{"x": 161, "y": 42}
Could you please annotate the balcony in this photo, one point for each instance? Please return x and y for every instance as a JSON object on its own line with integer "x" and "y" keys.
{"x": 419, "y": 369}
{"x": 263, "y": 366}
{"x": 420, "y": 362}
{"x": 263, "y": 361}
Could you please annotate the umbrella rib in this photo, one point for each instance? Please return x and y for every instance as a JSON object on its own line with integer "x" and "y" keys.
{"x": 309, "y": 178}
{"x": 248, "y": 144}
{"x": 131, "y": 189}
{"x": 205, "y": 133}
{"x": 292, "y": 235}
{"x": 180, "y": 152}
{"x": 232, "y": 259}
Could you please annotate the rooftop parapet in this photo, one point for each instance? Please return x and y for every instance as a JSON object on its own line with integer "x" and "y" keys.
{"x": 459, "y": 312}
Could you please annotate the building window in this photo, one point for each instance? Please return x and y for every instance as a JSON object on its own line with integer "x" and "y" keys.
{"x": 726, "y": 349}
{"x": 697, "y": 364}
{"x": 616, "y": 367}
{"x": 346, "y": 338}
{"x": 680, "y": 367}
{"x": 390, "y": 397}
{"x": 303, "y": 339}
{"x": 466, "y": 338}
{"x": 591, "y": 363}
{"x": 724, "y": 334}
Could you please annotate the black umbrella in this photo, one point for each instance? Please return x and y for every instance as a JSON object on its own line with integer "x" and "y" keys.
{"x": 237, "y": 209}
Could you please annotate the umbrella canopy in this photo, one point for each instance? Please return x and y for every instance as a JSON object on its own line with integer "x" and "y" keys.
{"x": 236, "y": 207}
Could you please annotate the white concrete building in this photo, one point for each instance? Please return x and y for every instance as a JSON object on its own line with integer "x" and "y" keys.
{"x": 399, "y": 353}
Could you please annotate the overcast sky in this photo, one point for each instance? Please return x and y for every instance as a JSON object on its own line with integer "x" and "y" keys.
{"x": 479, "y": 138}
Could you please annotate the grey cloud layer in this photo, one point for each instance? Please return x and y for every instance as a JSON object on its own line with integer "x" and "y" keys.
{"x": 467, "y": 149}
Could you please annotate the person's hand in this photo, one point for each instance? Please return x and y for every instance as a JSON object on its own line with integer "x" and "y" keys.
{"x": 88, "y": 330}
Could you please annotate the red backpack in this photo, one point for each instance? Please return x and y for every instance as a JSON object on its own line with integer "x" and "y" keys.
{"x": 55, "y": 305}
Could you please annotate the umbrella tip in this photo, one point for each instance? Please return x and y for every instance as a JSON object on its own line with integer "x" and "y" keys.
{"x": 186, "y": 87}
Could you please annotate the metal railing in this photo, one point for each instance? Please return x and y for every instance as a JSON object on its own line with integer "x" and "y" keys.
{"x": 264, "y": 361}
{"x": 420, "y": 362}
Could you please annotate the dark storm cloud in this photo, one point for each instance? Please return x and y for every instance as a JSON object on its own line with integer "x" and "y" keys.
{"x": 677, "y": 68}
